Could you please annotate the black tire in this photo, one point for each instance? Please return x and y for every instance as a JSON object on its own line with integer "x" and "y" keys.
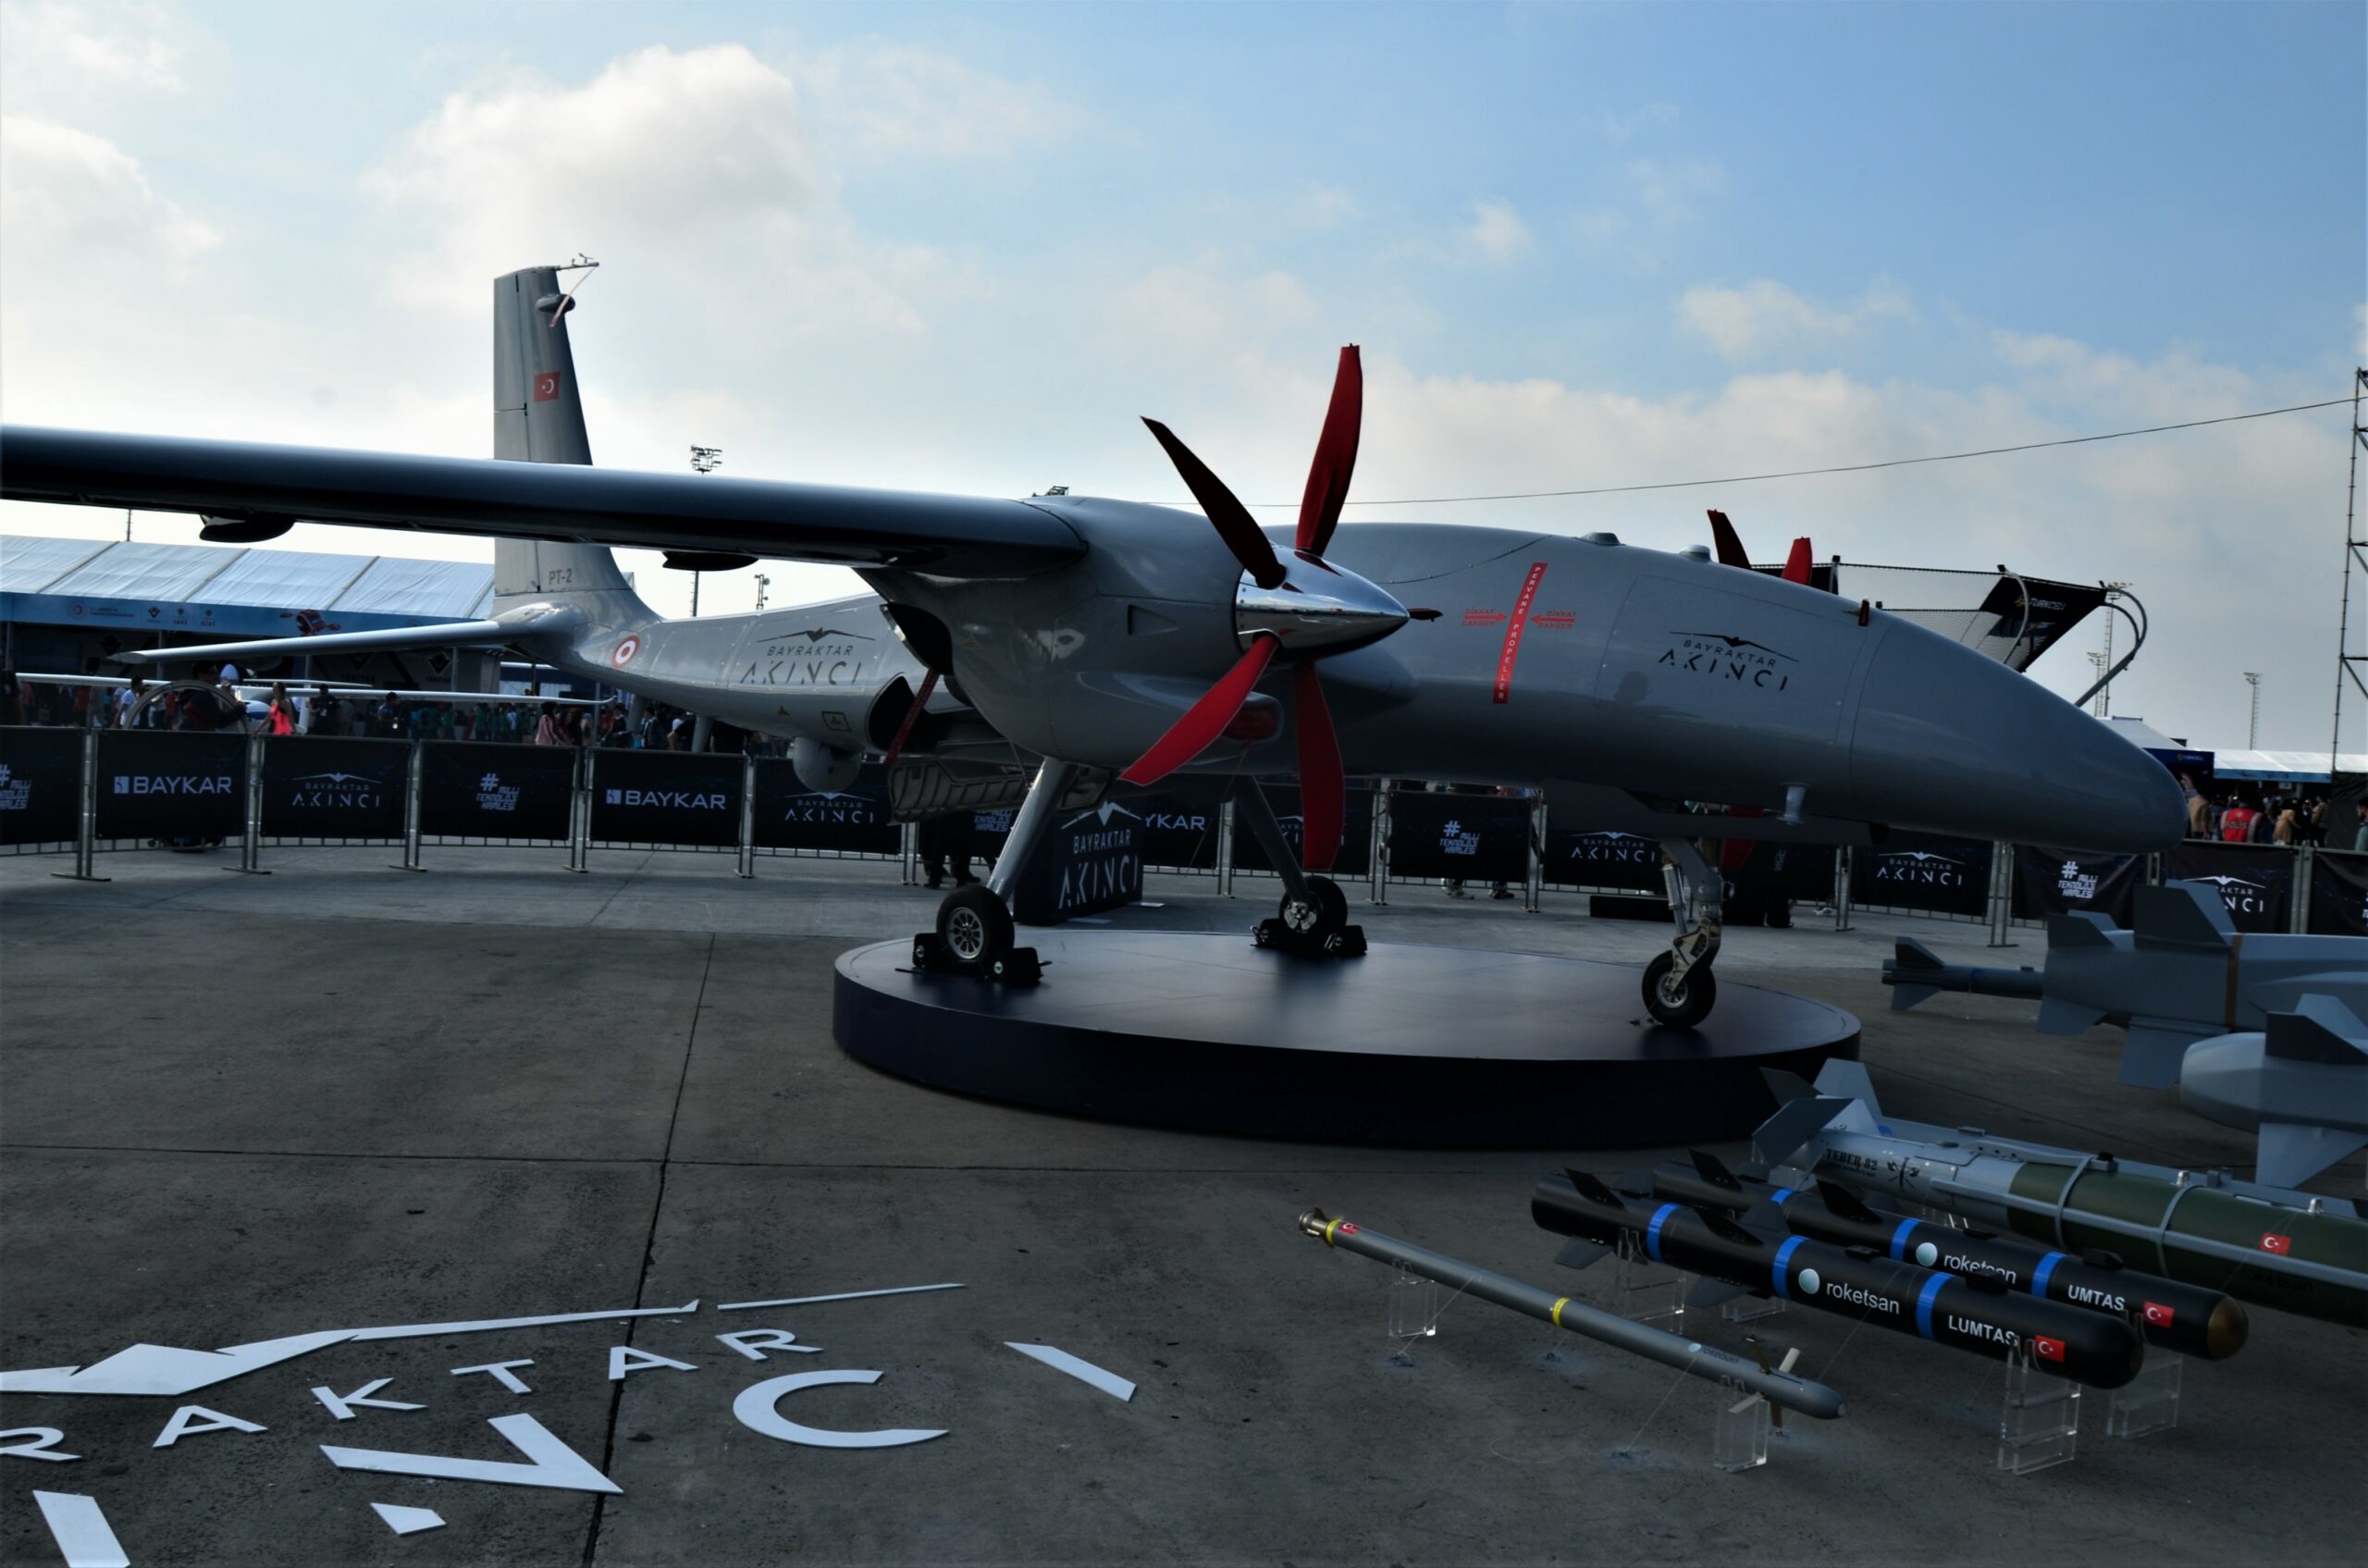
{"x": 973, "y": 928}
{"x": 1322, "y": 913}
{"x": 1688, "y": 1003}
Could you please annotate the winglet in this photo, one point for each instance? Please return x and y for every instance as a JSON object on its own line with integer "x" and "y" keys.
{"x": 2318, "y": 1028}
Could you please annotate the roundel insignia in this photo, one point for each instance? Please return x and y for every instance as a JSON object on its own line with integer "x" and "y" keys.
{"x": 1927, "y": 1254}
{"x": 626, "y": 651}
{"x": 1808, "y": 1282}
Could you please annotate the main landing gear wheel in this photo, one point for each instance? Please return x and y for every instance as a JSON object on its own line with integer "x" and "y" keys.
{"x": 1681, "y": 1002}
{"x": 1323, "y": 912}
{"x": 974, "y": 929}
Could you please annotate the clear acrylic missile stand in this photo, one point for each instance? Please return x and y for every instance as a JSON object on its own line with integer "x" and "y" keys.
{"x": 1749, "y": 1309}
{"x": 2039, "y": 1422}
{"x": 1646, "y": 1291}
{"x": 1739, "y": 1436}
{"x": 2148, "y": 1402}
{"x": 1414, "y": 1313}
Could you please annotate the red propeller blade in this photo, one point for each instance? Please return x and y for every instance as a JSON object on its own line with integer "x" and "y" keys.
{"x": 1728, "y": 543}
{"x": 1335, "y": 455}
{"x": 1796, "y": 565}
{"x": 1205, "y": 720}
{"x": 1323, "y": 792}
{"x": 1233, "y": 522}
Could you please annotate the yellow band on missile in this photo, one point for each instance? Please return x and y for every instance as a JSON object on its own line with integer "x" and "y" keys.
{"x": 1330, "y": 1227}
{"x": 1559, "y": 1303}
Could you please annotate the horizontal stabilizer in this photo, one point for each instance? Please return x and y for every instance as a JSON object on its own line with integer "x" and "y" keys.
{"x": 2059, "y": 1017}
{"x": 2319, "y": 1029}
{"x": 1905, "y": 996}
{"x": 1845, "y": 1080}
{"x": 1579, "y": 1252}
{"x": 2154, "y": 1053}
{"x": 1709, "y": 1292}
{"x": 2081, "y": 928}
{"x": 1795, "y": 1123}
{"x": 2290, "y": 1154}
{"x": 2188, "y": 917}
{"x": 444, "y": 634}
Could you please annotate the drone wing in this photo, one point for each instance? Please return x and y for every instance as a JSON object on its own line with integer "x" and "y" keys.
{"x": 259, "y": 490}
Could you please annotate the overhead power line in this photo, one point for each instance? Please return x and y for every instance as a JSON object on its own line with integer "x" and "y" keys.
{"x": 1835, "y": 468}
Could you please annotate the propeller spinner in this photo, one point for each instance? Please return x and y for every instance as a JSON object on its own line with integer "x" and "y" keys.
{"x": 1301, "y": 609}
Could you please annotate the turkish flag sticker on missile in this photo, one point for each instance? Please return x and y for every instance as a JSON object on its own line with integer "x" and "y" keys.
{"x": 547, "y": 386}
{"x": 2272, "y": 1242}
{"x": 2159, "y": 1315}
{"x": 2047, "y": 1349}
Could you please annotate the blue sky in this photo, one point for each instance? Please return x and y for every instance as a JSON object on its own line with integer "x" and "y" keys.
{"x": 960, "y": 247}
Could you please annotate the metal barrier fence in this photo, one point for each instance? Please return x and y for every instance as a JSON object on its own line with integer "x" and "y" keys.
{"x": 79, "y": 789}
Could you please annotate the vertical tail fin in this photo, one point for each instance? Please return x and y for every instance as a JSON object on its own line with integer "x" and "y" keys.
{"x": 539, "y": 417}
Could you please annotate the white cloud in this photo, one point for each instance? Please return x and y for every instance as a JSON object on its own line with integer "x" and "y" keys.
{"x": 1324, "y": 207}
{"x": 1674, "y": 190}
{"x": 72, "y": 203}
{"x": 1621, "y": 128}
{"x": 1762, "y": 316}
{"x": 54, "y": 54}
{"x": 1496, "y": 231}
{"x": 879, "y": 97}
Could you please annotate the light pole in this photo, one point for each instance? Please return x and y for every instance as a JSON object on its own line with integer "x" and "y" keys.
{"x": 761, "y": 581}
{"x": 2104, "y": 665}
{"x": 704, "y": 459}
{"x": 2253, "y": 725}
{"x": 2097, "y": 661}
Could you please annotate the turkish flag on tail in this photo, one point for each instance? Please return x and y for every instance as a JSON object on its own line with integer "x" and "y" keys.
{"x": 547, "y": 386}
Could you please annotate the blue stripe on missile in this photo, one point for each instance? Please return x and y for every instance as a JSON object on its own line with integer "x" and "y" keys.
{"x": 1653, "y": 1231}
{"x": 1899, "y": 1241}
{"x": 2039, "y": 1275}
{"x": 1924, "y": 1300}
{"x": 1777, "y": 1196}
{"x": 1776, "y": 1270}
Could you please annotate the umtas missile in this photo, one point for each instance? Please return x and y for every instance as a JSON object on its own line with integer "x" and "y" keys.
{"x": 1689, "y": 1356}
{"x": 2297, "y": 1252}
{"x": 1969, "y": 1314}
{"x": 2187, "y": 1318}
{"x": 1916, "y": 972}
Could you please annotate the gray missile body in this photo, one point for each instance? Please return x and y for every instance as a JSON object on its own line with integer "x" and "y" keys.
{"x": 2182, "y": 973}
{"x": 2301, "y": 1084}
{"x": 1916, "y": 973}
{"x": 1689, "y": 1356}
{"x": 2273, "y": 1246}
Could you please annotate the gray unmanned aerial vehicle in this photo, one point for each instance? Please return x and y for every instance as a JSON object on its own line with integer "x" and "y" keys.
{"x": 1099, "y": 635}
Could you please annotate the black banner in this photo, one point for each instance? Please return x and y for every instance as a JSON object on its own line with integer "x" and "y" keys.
{"x": 2055, "y": 881}
{"x": 40, "y": 784}
{"x": 1914, "y": 871}
{"x": 1087, "y": 861}
{"x": 2255, "y": 881}
{"x": 2339, "y": 894}
{"x": 854, "y": 820}
{"x": 1178, "y": 833}
{"x": 1355, "y": 858}
{"x": 1483, "y": 837}
{"x": 485, "y": 789}
{"x": 666, "y": 798}
{"x": 1603, "y": 859}
{"x": 171, "y": 784}
{"x": 990, "y": 830}
{"x": 320, "y": 787}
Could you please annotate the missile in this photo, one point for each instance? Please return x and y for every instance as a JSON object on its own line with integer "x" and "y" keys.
{"x": 1779, "y": 1387}
{"x": 2186, "y": 1318}
{"x": 2301, "y": 1084}
{"x": 1916, "y": 973}
{"x": 2272, "y": 1246}
{"x": 1975, "y": 1313}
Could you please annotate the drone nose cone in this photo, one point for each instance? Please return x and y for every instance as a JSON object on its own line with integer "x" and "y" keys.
{"x": 1948, "y": 740}
{"x": 1315, "y": 609}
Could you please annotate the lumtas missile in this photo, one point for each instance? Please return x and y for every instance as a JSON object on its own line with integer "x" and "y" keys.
{"x": 1689, "y": 1356}
{"x": 2186, "y": 1318}
{"x": 1969, "y": 1314}
{"x": 2293, "y": 1250}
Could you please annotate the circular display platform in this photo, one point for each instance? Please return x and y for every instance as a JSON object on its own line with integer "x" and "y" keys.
{"x": 1440, "y": 1045}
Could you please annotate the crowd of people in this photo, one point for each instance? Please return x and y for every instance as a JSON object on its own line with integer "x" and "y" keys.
{"x": 2250, "y": 816}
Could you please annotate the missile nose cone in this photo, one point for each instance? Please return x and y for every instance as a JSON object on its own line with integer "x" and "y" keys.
{"x": 1950, "y": 741}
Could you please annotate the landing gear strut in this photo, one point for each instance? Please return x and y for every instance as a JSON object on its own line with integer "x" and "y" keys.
{"x": 1679, "y": 987}
{"x": 974, "y": 933}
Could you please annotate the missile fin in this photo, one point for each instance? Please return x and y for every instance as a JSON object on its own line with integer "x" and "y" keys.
{"x": 1712, "y": 1170}
{"x": 2156, "y": 1049}
{"x": 2081, "y": 928}
{"x": 1795, "y": 1123}
{"x": 2319, "y": 1029}
{"x": 1719, "y": 1222}
{"x": 1762, "y": 1222}
{"x": 2182, "y": 917}
{"x": 1579, "y": 1252}
{"x": 1905, "y": 996}
{"x": 2292, "y": 1153}
{"x": 2059, "y": 1017}
{"x": 1589, "y": 1187}
{"x": 1844, "y": 1201}
{"x": 1848, "y": 1080}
